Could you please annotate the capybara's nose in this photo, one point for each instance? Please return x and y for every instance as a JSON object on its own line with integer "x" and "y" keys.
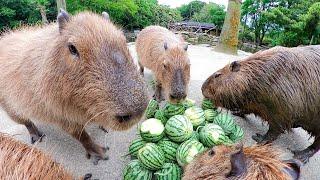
{"x": 123, "y": 118}
{"x": 178, "y": 96}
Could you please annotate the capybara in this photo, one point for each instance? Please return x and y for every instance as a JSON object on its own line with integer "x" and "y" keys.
{"x": 248, "y": 163}
{"x": 20, "y": 161}
{"x": 165, "y": 54}
{"x": 280, "y": 85}
{"x": 71, "y": 73}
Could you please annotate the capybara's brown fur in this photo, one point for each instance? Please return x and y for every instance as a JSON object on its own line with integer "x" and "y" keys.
{"x": 20, "y": 161}
{"x": 71, "y": 73}
{"x": 249, "y": 163}
{"x": 281, "y": 85}
{"x": 165, "y": 54}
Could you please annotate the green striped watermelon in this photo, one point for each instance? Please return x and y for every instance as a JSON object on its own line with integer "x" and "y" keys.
{"x": 169, "y": 148}
{"x": 135, "y": 171}
{"x": 212, "y": 134}
{"x": 188, "y": 150}
{"x": 135, "y": 146}
{"x": 188, "y": 103}
{"x": 210, "y": 114}
{"x": 195, "y": 115}
{"x": 207, "y": 104}
{"x": 195, "y": 135}
{"x": 169, "y": 171}
{"x": 161, "y": 116}
{"x": 151, "y": 156}
{"x": 236, "y": 134}
{"x": 153, "y": 106}
{"x": 225, "y": 121}
{"x": 173, "y": 109}
{"x": 152, "y": 130}
{"x": 178, "y": 128}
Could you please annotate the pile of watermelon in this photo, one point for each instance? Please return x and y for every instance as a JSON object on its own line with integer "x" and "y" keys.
{"x": 174, "y": 135}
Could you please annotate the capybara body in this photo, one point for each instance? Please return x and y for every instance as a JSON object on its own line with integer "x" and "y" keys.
{"x": 234, "y": 162}
{"x": 71, "y": 73}
{"x": 19, "y": 161}
{"x": 165, "y": 54}
{"x": 281, "y": 85}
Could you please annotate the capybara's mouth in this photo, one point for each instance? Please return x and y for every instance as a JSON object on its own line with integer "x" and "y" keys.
{"x": 124, "y": 122}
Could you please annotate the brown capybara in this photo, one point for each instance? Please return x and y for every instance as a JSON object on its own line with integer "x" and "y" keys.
{"x": 19, "y": 161}
{"x": 280, "y": 85}
{"x": 249, "y": 163}
{"x": 165, "y": 54}
{"x": 71, "y": 73}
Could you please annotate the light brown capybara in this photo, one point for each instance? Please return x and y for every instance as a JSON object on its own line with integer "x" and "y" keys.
{"x": 248, "y": 163}
{"x": 20, "y": 161}
{"x": 165, "y": 54}
{"x": 280, "y": 85}
{"x": 71, "y": 73}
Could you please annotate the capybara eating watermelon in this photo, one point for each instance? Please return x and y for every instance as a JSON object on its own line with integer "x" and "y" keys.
{"x": 71, "y": 73}
{"x": 281, "y": 85}
{"x": 165, "y": 54}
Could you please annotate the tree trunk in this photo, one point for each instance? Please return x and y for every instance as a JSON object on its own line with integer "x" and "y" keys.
{"x": 43, "y": 14}
{"x": 61, "y": 4}
{"x": 311, "y": 41}
{"x": 229, "y": 36}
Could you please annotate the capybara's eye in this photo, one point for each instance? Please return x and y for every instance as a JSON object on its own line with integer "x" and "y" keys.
{"x": 217, "y": 74}
{"x": 211, "y": 152}
{"x": 73, "y": 50}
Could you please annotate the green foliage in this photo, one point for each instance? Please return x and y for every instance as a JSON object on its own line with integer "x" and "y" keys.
{"x": 188, "y": 10}
{"x": 211, "y": 13}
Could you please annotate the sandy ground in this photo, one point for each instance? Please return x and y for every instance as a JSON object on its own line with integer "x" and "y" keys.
{"x": 71, "y": 154}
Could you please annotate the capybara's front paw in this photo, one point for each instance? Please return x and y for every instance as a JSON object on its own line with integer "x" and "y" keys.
{"x": 36, "y": 137}
{"x": 97, "y": 153}
{"x": 303, "y": 155}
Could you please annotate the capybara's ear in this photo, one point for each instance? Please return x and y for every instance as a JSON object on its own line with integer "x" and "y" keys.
{"x": 238, "y": 165}
{"x": 185, "y": 47}
{"x": 294, "y": 168}
{"x": 165, "y": 45}
{"x": 62, "y": 19}
{"x": 235, "y": 66}
{"x": 105, "y": 15}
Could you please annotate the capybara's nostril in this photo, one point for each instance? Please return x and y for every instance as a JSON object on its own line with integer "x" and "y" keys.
{"x": 172, "y": 96}
{"x": 123, "y": 118}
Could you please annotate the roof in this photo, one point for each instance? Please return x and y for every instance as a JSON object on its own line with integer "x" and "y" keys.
{"x": 194, "y": 24}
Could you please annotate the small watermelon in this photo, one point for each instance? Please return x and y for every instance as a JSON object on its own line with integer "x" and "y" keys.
{"x": 178, "y": 128}
{"x": 169, "y": 171}
{"x": 225, "y": 121}
{"x": 188, "y": 150}
{"x": 236, "y": 134}
{"x": 151, "y": 130}
{"x": 188, "y": 103}
{"x": 212, "y": 134}
{"x": 153, "y": 106}
{"x": 207, "y": 104}
{"x": 210, "y": 114}
{"x": 161, "y": 116}
{"x": 169, "y": 148}
{"x": 135, "y": 171}
{"x": 135, "y": 146}
{"x": 151, "y": 156}
{"x": 173, "y": 109}
{"x": 195, "y": 115}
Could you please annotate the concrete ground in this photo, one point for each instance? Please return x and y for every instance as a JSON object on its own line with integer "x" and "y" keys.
{"x": 71, "y": 154}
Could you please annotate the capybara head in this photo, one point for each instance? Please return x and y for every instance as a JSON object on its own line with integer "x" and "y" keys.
{"x": 235, "y": 162}
{"x": 98, "y": 72}
{"x": 174, "y": 72}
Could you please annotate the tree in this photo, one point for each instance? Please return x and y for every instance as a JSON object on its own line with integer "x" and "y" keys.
{"x": 211, "y": 13}
{"x": 61, "y": 4}
{"x": 188, "y": 10}
{"x": 41, "y": 6}
{"x": 229, "y": 36}
{"x": 312, "y": 22}
{"x": 165, "y": 15}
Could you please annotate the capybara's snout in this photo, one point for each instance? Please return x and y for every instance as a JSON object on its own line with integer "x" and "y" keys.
{"x": 205, "y": 88}
{"x": 135, "y": 113}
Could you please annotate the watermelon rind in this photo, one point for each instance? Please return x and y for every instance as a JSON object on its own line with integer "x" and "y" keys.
{"x": 178, "y": 128}
{"x": 195, "y": 115}
{"x": 169, "y": 171}
{"x": 151, "y": 130}
{"x": 151, "y": 157}
{"x": 135, "y": 171}
{"x": 152, "y": 107}
{"x": 188, "y": 150}
{"x": 169, "y": 149}
{"x": 135, "y": 146}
